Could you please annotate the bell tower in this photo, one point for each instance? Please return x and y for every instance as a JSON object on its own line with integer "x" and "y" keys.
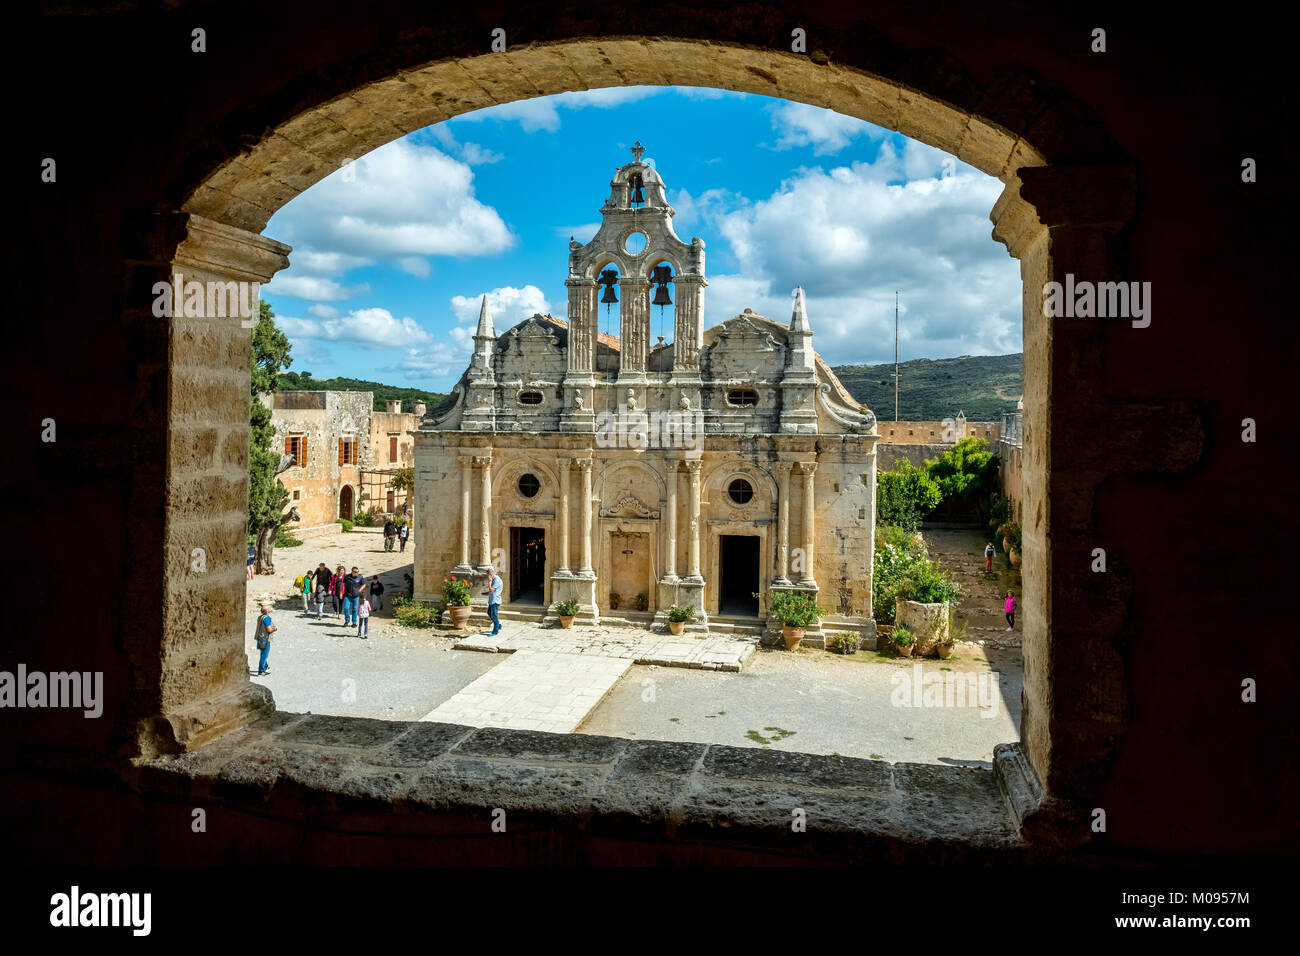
{"x": 634, "y": 256}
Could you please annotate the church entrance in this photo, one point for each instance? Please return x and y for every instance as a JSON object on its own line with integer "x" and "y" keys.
{"x": 629, "y": 568}
{"x": 527, "y": 572}
{"x": 738, "y": 574}
{"x": 345, "y": 503}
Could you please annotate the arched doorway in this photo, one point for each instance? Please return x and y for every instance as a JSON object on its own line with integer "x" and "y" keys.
{"x": 345, "y": 503}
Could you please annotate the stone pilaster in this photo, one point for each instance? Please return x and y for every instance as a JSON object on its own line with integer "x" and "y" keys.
{"x": 563, "y": 569}
{"x": 466, "y": 510}
{"x": 782, "y": 469}
{"x": 688, "y": 331}
{"x": 588, "y": 528}
{"x": 485, "y": 511}
{"x": 693, "y": 468}
{"x": 634, "y": 328}
{"x": 579, "y": 381}
{"x": 807, "y": 578}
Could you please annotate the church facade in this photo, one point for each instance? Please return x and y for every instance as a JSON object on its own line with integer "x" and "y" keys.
{"x": 708, "y": 471}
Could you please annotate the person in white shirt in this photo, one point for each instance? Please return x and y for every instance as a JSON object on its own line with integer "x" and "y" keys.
{"x": 363, "y": 617}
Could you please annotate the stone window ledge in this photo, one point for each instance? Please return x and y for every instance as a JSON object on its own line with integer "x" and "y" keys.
{"x": 355, "y": 775}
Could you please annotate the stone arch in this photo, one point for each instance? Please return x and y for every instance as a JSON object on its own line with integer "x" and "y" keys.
{"x": 716, "y": 479}
{"x": 607, "y": 479}
{"x": 1069, "y": 192}
{"x": 610, "y": 257}
{"x": 504, "y": 478}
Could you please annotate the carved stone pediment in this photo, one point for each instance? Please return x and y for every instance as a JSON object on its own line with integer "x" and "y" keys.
{"x": 628, "y": 506}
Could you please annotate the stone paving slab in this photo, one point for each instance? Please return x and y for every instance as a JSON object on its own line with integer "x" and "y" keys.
{"x": 722, "y": 652}
{"x": 535, "y": 690}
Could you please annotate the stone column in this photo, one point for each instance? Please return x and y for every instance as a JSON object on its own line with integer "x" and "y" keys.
{"x": 466, "y": 491}
{"x": 584, "y": 465}
{"x": 634, "y": 328}
{"x": 782, "y": 469}
{"x": 670, "y": 555}
{"x": 808, "y": 468}
{"x": 485, "y": 511}
{"x": 564, "y": 517}
{"x": 693, "y": 466}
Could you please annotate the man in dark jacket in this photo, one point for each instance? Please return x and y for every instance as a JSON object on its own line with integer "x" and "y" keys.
{"x": 354, "y": 585}
{"x": 390, "y": 534}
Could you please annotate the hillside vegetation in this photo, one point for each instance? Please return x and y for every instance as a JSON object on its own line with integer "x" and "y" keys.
{"x": 383, "y": 393}
{"x": 983, "y": 386}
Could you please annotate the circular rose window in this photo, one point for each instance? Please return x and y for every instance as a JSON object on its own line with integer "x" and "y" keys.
{"x": 740, "y": 491}
{"x": 529, "y": 486}
{"x": 635, "y": 244}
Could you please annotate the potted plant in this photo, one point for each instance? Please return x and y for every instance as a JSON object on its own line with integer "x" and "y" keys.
{"x": 797, "y": 611}
{"x": 678, "y": 616}
{"x": 456, "y": 594}
{"x": 642, "y": 602}
{"x": 844, "y": 643}
{"x": 1013, "y": 551}
{"x": 567, "y": 611}
{"x": 903, "y": 640}
{"x": 956, "y": 632}
{"x": 614, "y": 598}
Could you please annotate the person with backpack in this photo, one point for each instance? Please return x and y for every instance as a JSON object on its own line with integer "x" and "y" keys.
{"x": 390, "y": 534}
{"x": 403, "y": 532}
{"x": 989, "y": 551}
{"x": 377, "y": 592}
{"x": 263, "y": 637}
{"x": 321, "y": 588}
{"x": 304, "y": 584}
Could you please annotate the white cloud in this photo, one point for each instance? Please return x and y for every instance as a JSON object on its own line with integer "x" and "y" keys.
{"x": 582, "y": 233}
{"x": 799, "y": 124}
{"x": 435, "y": 361}
{"x": 542, "y": 112}
{"x": 509, "y": 306}
{"x": 323, "y": 311}
{"x": 405, "y": 202}
{"x": 368, "y": 328}
{"x": 471, "y": 153}
{"x": 313, "y": 288}
{"x": 415, "y": 266}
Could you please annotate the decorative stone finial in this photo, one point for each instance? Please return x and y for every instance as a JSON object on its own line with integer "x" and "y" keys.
{"x": 637, "y": 150}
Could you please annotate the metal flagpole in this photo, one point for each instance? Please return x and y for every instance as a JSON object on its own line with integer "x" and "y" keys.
{"x": 895, "y": 355}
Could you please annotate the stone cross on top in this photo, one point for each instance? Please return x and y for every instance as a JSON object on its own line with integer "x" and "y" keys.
{"x": 637, "y": 150}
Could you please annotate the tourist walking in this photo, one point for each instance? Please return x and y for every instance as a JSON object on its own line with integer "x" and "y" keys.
{"x": 322, "y": 588}
{"x": 1011, "y": 610}
{"x": 989, "y": 551}
{"x": 390, "y": 534}
{"x": 403, "y": 533}
{"x": 252, "y": 558}
{"x": 354, "y": 587}
{"x": 377, "y": 592}
{"x": 305, "y": 585}
{"x": 263, "y": 638}
{"x": 336, "y": 590}
{"x": 494, "y": 600}
{"x": 363, "y": 618}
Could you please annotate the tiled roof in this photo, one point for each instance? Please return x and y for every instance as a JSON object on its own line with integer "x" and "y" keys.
{"x": 609, "y": 341}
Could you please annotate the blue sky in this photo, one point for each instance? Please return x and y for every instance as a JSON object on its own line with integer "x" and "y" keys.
{"x": 392, "y": 256}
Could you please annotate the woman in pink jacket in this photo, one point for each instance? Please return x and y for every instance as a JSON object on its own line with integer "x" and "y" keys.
{"x": 336, "y": 590}
{"x": 1011, "y": 610}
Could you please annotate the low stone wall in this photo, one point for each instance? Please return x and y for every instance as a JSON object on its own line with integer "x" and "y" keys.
{"x": 888, "y": 454}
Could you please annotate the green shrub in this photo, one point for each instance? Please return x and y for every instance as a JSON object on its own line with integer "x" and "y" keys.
{"x": 902, "y": 636}
{"x": 897, "y": 557}
{"x": 926, "y": 583}
{"x": 283, "y": 539}
{"x": 347, "y": 525}
{"x": 679, "y": 614}
{"x": 411, "y": 614}
{"x": 795, "y": 608}
{"x": 567, "y": 608}
{"x": 905, "y": 495}
{"x": 844, "y": 643}
{"x": 365, "y": 519}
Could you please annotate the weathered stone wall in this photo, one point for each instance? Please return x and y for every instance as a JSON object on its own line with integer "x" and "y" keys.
{"x": 384, "y": 426}
{"x": 322, "y": 478}
{"x": 943, "y": 432}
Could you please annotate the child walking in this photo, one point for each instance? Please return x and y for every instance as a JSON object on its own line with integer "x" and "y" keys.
{"x": 377, "y": 592}
{"x": 306, "y": 591}
{"x": 1011, "y": 610}
{"x": 989, "y": 551}
{"x": 363, "y": 617}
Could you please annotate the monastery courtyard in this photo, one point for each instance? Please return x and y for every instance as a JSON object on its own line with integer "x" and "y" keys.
{"x": 633, "y": 683}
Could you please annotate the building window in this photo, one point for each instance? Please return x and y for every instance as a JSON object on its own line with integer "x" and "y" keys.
{"x": 296, "y": 445}
{"x": 740, "y": 491}
{"x": 348, "y": 450}
{"x": 392, "y": 502}
{"x": 530, "y": 398}
{"x": 392, "y": 451}
{"x": 295, "y": 494}
{"x": 529, "y": 486}
{"x": 742, "y": 397}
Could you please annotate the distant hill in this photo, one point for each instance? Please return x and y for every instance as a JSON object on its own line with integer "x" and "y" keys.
{"x": 983, "y": 386}
{"x": 383, "y": 393}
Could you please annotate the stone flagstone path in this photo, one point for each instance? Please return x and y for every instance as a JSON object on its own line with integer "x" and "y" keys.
{"x": 535, "y": 690}
{"x": 716, "y": 652}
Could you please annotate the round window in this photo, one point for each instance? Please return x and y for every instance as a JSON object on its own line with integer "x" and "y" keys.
{"x": 634, "y": 244}
{"x": 530, "y": 398}
{"x": 740, "y": 491}
{"x": 529, "y": 486}
{"x": 742, "y": 397}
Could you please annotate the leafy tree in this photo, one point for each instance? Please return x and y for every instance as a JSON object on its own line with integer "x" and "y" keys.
{"x": 404, "y": 480}
{"x": 266, "y": 495}
{"x": 905, "y": 495}
{"x": 966, "y": 472}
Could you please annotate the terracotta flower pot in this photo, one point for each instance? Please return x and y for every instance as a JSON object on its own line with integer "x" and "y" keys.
{"x": 459, "y": 615}
{"x": 904, "y": 650}
{"x": 945, "y": 651}
{"x": 676, "y": 627}
{"x": 566, "y": 620}
{"x": 1006, "y": 543}
{"x": 1014, "y": 557}
{"x": 793, "y": 636}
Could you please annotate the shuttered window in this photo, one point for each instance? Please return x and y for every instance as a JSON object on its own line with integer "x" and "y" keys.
{"x": 347, "y": 451}
{"x": 392, "y": 451}
{"x": 296, "y": 445}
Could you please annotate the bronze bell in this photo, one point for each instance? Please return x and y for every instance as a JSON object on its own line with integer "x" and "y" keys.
{"x": 661, "y": 296}
{"x": 609, "y": 277}
{"x": 638, "y": 196}
{"x": 661, "y": 275}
